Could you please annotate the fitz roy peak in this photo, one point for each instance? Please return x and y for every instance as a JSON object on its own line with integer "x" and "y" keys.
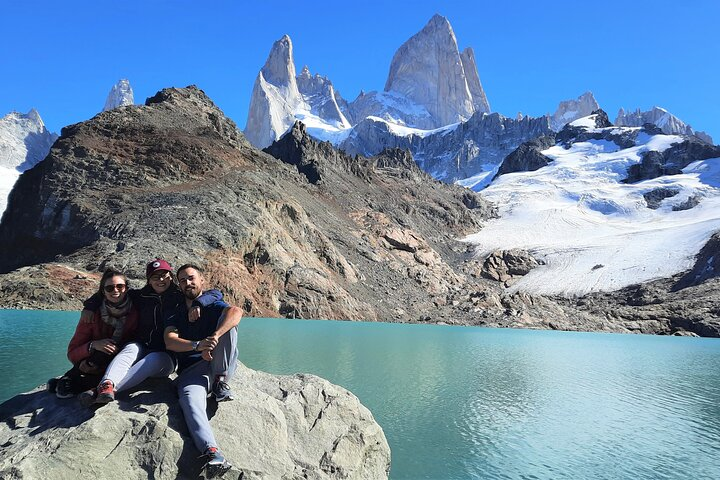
{"x": 429, "y": 70}
{"x": 422, "y": 91}
{"x": 120, "y": 95}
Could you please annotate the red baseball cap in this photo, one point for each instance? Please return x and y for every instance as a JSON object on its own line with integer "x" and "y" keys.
{"x": 155, "y": 265}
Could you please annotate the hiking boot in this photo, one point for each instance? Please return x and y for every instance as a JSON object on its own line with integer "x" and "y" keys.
{"x": 88, "y": 397}
{"x": 216, "y": 465}
{"x": 52, "y": 385}
{"x": 221, "y": 391}
{"x": 63, "y": 388}
{"x": 105, "y": 392}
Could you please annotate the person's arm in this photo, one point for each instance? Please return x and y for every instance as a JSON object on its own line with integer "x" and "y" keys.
{"x": 174, "y": 343}
{"x": 208, "y": 298}
{"x": 231, "y": 317}
{"x": 79, "y": 346}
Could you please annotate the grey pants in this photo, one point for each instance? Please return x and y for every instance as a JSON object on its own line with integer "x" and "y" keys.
{"x": 195, "y": 382}
{"x": 134, "y": 364}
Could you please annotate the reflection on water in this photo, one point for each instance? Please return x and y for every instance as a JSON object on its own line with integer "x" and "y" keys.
{"x": 488, "y": 403}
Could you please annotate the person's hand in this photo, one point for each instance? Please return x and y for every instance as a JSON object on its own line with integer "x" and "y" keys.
{"x": 206, "y": 344}
{"x": 207, "y": 355}
{"x": 212, "y": 340}
{"x": 193, "y": 314}
{"x": 87, "y": 316}
{"x": 89, "y": 368}
{"x": 105, "y": 345}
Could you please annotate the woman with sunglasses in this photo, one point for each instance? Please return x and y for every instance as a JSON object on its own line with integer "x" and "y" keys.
{"x": 146, "y": 356}
{"x": 95, "y": 343}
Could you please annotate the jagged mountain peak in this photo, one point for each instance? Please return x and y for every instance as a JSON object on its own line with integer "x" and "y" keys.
{"x": 660, "y": 117}
{"x": 571, "y": 110}
{"x": 121, "y": 94}
{"x": 428, "y": 69}
{"x": 279, "y": 68}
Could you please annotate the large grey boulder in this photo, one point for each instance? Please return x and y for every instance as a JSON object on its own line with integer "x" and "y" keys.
{"x": 279, "y": 427}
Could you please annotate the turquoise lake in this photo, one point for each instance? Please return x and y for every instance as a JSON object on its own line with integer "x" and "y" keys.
{"x": 475, "y": 403}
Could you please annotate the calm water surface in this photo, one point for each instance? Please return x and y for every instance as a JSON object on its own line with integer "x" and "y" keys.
{"x": 472, "y": 402}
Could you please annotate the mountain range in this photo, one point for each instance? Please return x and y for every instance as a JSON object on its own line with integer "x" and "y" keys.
{"x": 433, "y": 104}
{"x": 357, "y": 210}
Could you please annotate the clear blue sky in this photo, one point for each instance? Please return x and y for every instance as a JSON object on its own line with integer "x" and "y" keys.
{"x": 63, "y": 57}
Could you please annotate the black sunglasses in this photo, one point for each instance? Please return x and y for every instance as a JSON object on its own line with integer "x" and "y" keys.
{"x": 120, "y": 287}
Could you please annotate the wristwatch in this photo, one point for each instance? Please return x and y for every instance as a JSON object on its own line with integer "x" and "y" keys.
{"x": 195, "y": 345}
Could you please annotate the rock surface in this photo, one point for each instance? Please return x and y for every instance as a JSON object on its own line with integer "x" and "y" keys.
{"x": 279, "y": 427}
{"x": 454, "y": 153}
{"x": 672, "y": 160}
{"x": 527, "y": 157}
{"x": 275, "y": 96}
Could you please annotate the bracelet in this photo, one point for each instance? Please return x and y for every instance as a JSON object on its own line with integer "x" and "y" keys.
{"x": 90, "y": 346}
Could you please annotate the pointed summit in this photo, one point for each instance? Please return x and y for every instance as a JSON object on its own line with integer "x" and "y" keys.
{"x": 275, "y": 96}
{"x": 120, "y": 95}
{"x": 570, "y": 110}
{"x": 279, "y": 68}
{"x": 428, "y": 70}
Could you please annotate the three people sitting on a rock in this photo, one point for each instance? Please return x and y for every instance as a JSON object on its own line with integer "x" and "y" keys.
{"x": 165, "y": 325}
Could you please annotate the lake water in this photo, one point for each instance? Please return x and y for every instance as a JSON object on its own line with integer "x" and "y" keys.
{"x": 462, "y": 403}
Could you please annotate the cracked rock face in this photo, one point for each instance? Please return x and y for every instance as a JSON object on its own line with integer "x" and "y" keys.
{"x": 280, "y": 427}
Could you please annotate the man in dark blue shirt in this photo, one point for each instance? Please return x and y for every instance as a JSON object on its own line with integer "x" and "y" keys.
{"x": 207, "y": 357}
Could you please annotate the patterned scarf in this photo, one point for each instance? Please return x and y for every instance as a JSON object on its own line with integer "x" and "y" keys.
{"x": 115, "y": 315}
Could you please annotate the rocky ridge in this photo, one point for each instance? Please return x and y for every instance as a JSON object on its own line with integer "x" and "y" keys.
{"x": 282, "y": 427}
{"x": 663, "y": 119}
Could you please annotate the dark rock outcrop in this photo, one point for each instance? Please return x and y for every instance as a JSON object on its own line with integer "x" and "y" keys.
{"x": 655, "y": 197}
{"x": 604, "y": 130}
{"x": 527, "y": 157}
{"x": 672, "y": 160}
{"x": 707, "y": 265}
{"x": 508, "y": 265}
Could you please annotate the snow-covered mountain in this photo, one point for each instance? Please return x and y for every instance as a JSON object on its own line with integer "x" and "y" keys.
{"x": 24, "y": 141}
{"x": 120, "y": 94}
{"x": 430, "y": 85}
{"x": 433, "y": 104}
{"x": 660, "y": 117}
{"x": 599, "y": 215}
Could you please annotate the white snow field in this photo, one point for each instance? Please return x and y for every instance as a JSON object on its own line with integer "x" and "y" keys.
{"x": 593, "y": 232}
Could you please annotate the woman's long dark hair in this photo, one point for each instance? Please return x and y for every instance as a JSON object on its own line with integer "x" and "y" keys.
{"x": 109, "y": 273}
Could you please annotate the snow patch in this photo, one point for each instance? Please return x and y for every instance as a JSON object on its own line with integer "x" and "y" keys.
{"x": 594, "y": 232}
